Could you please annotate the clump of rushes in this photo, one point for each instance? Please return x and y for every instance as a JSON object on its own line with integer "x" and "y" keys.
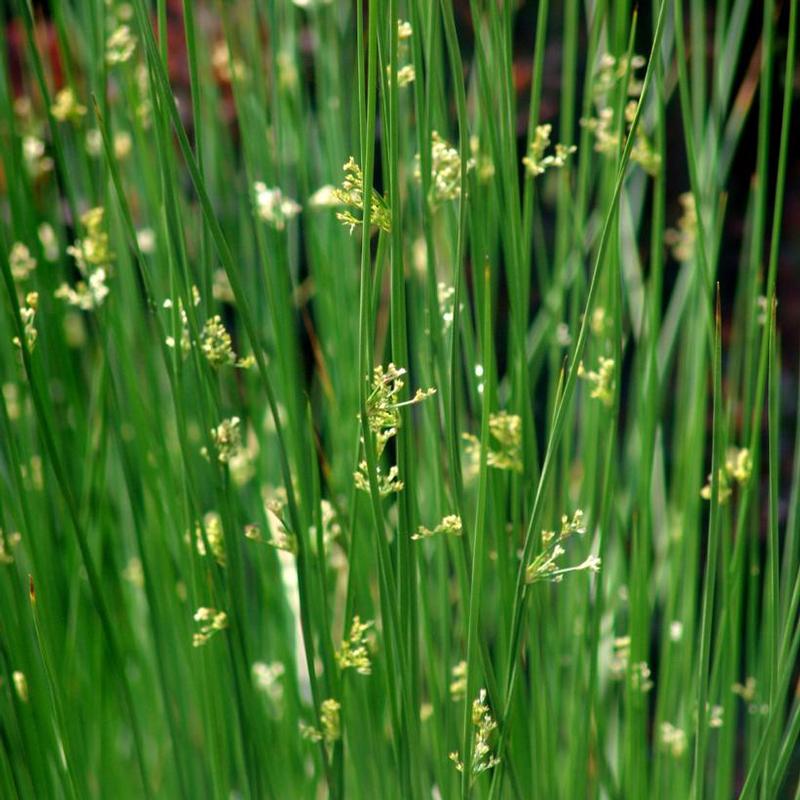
{"x": 544, "y": 242}
{"x": 351, "y": 196}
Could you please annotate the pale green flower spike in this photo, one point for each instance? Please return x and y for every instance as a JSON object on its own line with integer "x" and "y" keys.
{"x": 482, "y": 756}
{"x": 383, "y": 418}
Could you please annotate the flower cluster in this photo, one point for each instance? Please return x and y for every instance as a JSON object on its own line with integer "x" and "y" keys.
{"x": 681, "y": 240}
{"x": 211, "y": 621}
{"x": 227, "y": 437}
{"x": 28, "y": 315}
{"x": 450, "y": 526}
{"x": 406, "y": 73}
{"x": 506, "y": 431}
{"x": 383, "y": 417}
{"x": 120, "y": 45}
{"x": 21, "y": 262}
{"x": 737, "y": 469}
{"x": 66, "y": 108}
{"x": 536, "y": 162}
{"x": 267, "y": 679}
{"x": 212, "y": 527}
{"x": 640, "y": 677}
{"x": 673, "y": 739}
{"x": 279, "y": 537}
{"x": 445, "y": 170}
{"x": 93, "y": 258}
{"x": 6, "y": 543}
{"x": 458, "y": 685}
{"x": 351, "y": 195}
{"x": 601, "y": 380}
{"x": 20, "y": 685}
{"x": 215, "y": 342}
{"x": 482, "y": 756}
{"x": 329, "y": 721}
{"x": 545, "y": 566}
{"x": 604, "y": 127}
{"x": 355, "y": 650}
{"x": 273, "y": 207}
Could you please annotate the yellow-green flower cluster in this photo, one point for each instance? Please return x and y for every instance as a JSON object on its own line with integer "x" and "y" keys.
{"x": 737, "y": 469}
{"x": 93, "y": 258}
{"x": 211, "y": 622}
{"x": 351, "y": 195}
{"x": 681, "y": 240}
{"x": 604, "y": 126}
{"x": 506, "y": 452}
{"x": 545, "y": 566}
{"x": 28, "y": 315}
{"x": 601, "y": 380}
{"x": 383, "y": 417}
{"x": 355, "y": 650}
{"x": 21, "y": 262}
{"x": 66, "y": 108}
{"x": 536, "y": 162}
{"x": 120, "y": 45}
{"x": 329, "y": 721}
{"x": 449, "y": 526}
{"x": 227, "y": 437}
{"x": 6, "y": 543}
{"x": 458, "y": 684}
{"x": 445, "y": 170}
{"x": 212, "y": 527}
{"x": 482, "y": 756}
